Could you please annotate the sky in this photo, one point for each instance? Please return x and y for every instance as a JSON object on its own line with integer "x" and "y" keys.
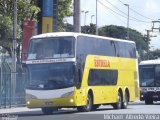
{"x": 114, "y": 12}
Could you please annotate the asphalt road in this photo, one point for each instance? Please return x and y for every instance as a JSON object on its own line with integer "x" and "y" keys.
{"x": 135, "y": 111}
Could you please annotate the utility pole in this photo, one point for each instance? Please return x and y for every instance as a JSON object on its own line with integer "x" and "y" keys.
{"x": 14, "y": 50}
{"x": 85, "y": 17}
{"x": 127, "y": 22}
{"x": 154, "y": 25}
{"x": 96, "y": 17}
{"x": 92, "y": 17}
{"x": 77, "y": 16}
{"x": 148, "y": 36}
{"x": 148, "y": 31}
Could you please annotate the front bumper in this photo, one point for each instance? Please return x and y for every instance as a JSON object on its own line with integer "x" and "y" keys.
{"x": 56, "y": 102}
{"x": 151, "y": 95}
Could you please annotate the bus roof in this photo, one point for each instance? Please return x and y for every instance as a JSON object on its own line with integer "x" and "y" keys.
{"x": 57, "y": 34}
{"x": 150, "y": 62}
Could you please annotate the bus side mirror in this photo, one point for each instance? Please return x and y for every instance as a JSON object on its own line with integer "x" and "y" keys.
{"x": 78, "y": 79}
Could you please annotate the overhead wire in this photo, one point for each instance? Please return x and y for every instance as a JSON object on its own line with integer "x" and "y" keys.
{"x": 119, "y": 13}
{"x": 133, "y": 18}
{"x": 114, "y": 13}
{"x": 116, "y": 16}
{"x": 112, "y": 10}
{"x": 136, "y": 12}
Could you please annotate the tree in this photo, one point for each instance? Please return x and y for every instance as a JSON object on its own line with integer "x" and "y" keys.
{"x": 26, "y": 9}
{"x": 6, "y": 34}
{"x": 64, "y": 10}
{"x": 121, "y": 33}
{"x": 69, "y": 27}
{"x": 89, "y": 29}
{"x": 154, "y": 54}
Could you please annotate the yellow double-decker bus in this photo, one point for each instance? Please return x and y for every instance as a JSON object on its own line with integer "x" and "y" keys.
{"x": 80, "y": 70}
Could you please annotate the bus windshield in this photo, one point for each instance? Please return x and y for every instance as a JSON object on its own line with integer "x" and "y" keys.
{"x": 51, "y": 76}
{"x": 150, "y": 76}
{"x": 51, "y": 47}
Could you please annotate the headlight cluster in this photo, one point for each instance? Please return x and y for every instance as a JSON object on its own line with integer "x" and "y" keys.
{"x": 67, "y": 94}
{"x": 142, "y": 90}
{"x": 29, "y": 96}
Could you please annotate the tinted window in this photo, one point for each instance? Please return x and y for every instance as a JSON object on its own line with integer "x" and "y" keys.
{"x": 97, "y": 46}
{"x": 147, "y": 75}
{"x": 157, "y": 75}
{"x": 91, "y": 45}
{"x": 102, "y": 77}
{"x": 51, "y": 47}
{"x": 130, "y": 50}
{"x": 51, "y": 76}
{"x": 122, "y": 49}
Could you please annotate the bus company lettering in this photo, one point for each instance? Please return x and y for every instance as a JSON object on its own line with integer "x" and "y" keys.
{"x": 101, "y": 63}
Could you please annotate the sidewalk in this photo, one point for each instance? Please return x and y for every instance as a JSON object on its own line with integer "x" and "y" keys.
{"x": 15, "y": 110}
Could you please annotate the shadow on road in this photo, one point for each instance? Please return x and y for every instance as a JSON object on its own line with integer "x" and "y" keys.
{"x": 143, "y": 103}
{"x": 73, "y": 111}
{"x": 59, "y": 112}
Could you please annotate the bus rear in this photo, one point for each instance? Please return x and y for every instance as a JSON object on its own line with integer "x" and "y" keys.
{"x": 149, "y": 72}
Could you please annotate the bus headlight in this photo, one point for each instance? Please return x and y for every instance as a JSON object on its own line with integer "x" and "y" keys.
{"x": 28, "y": 102}
{"x": 143, "y": 90}
{"x": 29, "y": 96}
{"x": 67, "y": 94}
{"x": 71, "y": 100}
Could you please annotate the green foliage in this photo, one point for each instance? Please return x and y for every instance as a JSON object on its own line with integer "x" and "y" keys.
{"x": 64, "y": 10}
{"x": 121, "y": 33}
{"x": 25, "y": 10}
{"x": 154, "y": 54}
{"x": 89, "y": 29}
{"x": 6, "y": 32}
{"x": 69, "y": 27}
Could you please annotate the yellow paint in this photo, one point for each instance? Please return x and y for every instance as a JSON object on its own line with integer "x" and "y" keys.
{"x": 47, "y": 24}
{"x": 101, "y": 94}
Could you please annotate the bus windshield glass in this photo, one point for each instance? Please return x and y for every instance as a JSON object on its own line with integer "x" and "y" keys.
{"x": 51, "y": 76}
{"x": 51, "y": 47}
{"x": 150, "y": 76}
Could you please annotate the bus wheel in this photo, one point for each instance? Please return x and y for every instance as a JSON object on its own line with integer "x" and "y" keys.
{"x": 118, "y": 104}
{"x": 125, "y": 102}
{"x": 48, "y": 110}
{"x": 148, "y": 102}
{"x": 88, "y": 106}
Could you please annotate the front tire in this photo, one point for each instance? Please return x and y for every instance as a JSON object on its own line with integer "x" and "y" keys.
{"x": 125, "y": 102}
{"x": 48, "y": 110}
{"x": 88, "y": 106}
{"x": 118, "y": 104}
{"x": 148, "y": 102}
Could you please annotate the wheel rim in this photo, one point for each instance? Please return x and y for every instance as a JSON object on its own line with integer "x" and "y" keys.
{"x": 88, "y": 105}
{"x": 119, "y": 100}
{"x": 126, "y": 100}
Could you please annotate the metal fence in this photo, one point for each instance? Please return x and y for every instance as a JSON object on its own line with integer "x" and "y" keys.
{"x": 12, "y": 85}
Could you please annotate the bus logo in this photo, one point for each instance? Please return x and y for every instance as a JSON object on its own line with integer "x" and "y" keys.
{"x": 101, "y": 63}
{"x": 48, "y": 103}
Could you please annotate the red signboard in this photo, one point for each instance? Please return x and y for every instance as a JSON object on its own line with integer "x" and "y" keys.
{"x": 28, "y": 32}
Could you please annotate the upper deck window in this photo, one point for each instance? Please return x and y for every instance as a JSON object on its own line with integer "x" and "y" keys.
{"x": 51, "y": 47}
